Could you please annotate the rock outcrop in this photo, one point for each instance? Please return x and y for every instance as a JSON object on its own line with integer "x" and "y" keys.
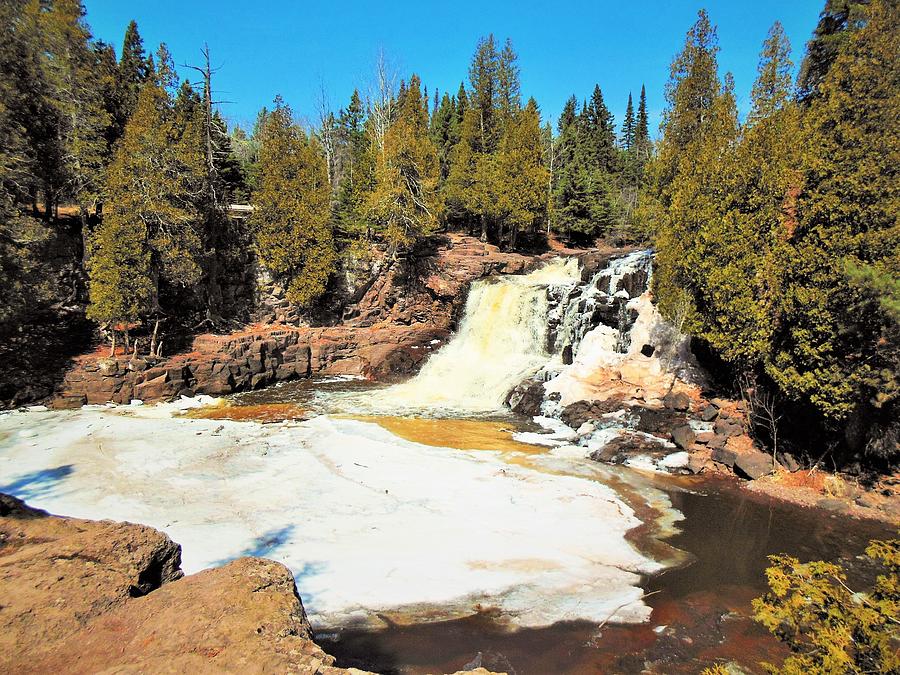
{"x": 713, "y": 432}
{"x": 82, "y": 596}
{"x": 407, "y": 312}
{"x": 240, "y": 618}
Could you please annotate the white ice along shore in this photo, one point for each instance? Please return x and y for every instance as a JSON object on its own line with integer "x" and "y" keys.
{"x": 368, "y": 522}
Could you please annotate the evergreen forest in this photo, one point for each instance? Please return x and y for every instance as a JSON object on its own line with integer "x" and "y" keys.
{"x": 776, "y": 233}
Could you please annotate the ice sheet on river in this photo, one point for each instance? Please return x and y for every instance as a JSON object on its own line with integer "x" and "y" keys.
{"x": 367, "y": 521}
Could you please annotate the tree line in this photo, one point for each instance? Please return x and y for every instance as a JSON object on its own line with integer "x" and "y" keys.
{"x": 778, "y": 236}
{"x": 151, "y": 168}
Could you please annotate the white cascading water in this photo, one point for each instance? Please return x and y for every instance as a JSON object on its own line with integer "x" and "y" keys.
{"x": 581, "y": 308}
{"x": 501, "y": 340}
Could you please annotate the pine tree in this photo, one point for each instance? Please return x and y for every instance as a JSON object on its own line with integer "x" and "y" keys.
{"x": 462, "y": 104}
{"x": 357, "y": 176}
{"x": 519, "y": 190}
{"x": 599, "y": 144}
{"x": 550, "y": 150}
{"x": 291, "y": 217}
{"x": 630, "y": 176}
{"x": 695, "y": 225}
{"x": 773, "y": 86}
{"x": 22, "y": 288}
{"x": 484, "y": 80}
{"x": 643, "y": 146}
{"x": 508, "y": 88}
{"x": 690, "y": 92}
{"x": 445, "y": 132}
{"x": 839, "y": 18}
{"x": 147, "y": 249}
{"x": 628, "y": 126}
{"x": 838, "y": 346}
{"x": 699, "y": 126}
{"x": 71, "y": 124}
{"x": 122, "y": 291}
{"x": 587, "y": 189}
{"x": 135, "y": 68}
{"x": 642, "y": 128}
{"x": 735, "y": 227}
{"x": 404, "y": 204}
{"x": 463, "y": 202}
{"x": 564, "y": 188}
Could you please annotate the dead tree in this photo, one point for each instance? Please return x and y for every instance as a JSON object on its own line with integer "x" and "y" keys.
{"x": 155, "y": 341}
{"x": 381, "y": 99}
{"x": 762, "y": 410}
{"x": 326, "y": 133}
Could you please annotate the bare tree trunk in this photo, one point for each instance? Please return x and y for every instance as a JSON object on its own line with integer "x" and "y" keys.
{"x": 484, "y": 228}
{"x": 381, "y": 99}
{"x": 762, "y": 409}
{"x": 326, "y": 134}
{"x": 153, "y": 338}
{"x": 112, "y": 351}
{"x": 550, "y": 184}
{"x": 209, "y": 128}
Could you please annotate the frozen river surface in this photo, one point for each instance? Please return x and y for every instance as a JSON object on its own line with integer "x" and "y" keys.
{"x": 368, "y": 522}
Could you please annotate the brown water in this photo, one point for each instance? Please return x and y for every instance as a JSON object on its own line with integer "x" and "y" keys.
{"x": 463, "y": 434}
{"x": 701, "y": 609}
{"x": 264, "y": 412}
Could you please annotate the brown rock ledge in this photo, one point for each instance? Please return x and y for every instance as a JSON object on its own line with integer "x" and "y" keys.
{"x": 84, "y": 596}
{"x": 81, "y": 596}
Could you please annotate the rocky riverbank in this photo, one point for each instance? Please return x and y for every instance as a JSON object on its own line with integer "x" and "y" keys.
{"x": 82, "y": 596}
{"x": 401, "y": 316}
{"x": 692, "y": 434}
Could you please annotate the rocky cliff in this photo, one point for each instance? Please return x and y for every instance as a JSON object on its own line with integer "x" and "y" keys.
{"x": 400, "y": 317}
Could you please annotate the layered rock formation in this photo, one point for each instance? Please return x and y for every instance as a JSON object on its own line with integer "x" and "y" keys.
{"x": 83, "y": 596}
{"x": 400, "y": 317}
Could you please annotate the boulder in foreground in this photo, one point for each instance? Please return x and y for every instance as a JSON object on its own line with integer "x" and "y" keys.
{"x": 83, "y": 596}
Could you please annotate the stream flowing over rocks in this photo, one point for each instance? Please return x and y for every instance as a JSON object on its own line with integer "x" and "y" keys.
{"x": 515, "y": 477}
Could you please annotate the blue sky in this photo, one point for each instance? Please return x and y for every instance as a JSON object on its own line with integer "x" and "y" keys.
{"x": 294, "y": 48}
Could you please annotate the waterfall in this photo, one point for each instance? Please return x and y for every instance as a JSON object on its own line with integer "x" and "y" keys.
{"x": 516, "y": 327}
{"x": 502, "y": 339}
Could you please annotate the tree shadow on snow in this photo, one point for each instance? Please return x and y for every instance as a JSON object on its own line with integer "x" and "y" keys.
{"x": 37, "y": 484}
{"x": 263, "y": 546}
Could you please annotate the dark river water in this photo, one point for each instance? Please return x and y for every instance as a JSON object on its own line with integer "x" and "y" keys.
{"x": 701, "y": 610}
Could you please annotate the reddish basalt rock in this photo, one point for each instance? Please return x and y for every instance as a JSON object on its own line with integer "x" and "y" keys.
{"x": 400, "y": 319}
{"x": 82, "y": 596}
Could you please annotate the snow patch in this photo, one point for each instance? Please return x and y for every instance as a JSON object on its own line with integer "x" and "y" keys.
{"x": 368, "y": 522}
